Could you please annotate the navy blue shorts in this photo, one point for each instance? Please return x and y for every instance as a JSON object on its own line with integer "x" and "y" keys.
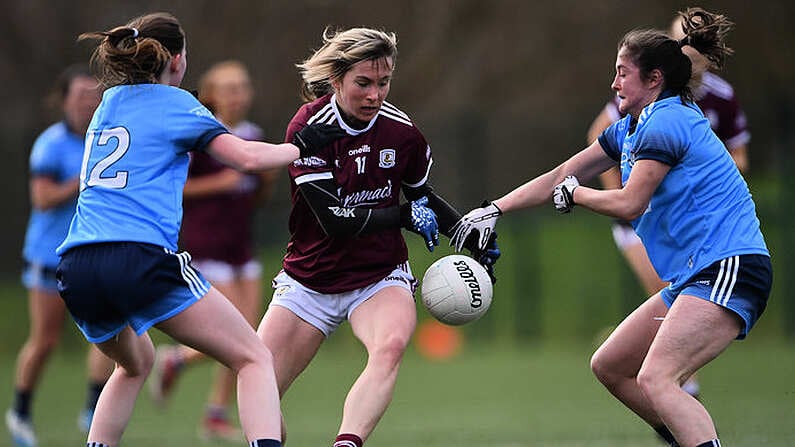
{"x": 739, "y": 283}
{"x": 108, "y": 286}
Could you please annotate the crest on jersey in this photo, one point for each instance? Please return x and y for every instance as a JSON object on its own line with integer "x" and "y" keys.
{"x": 386, "y": 158}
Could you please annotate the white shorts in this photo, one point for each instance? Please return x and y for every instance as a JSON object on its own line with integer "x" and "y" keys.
{"x": 326, "y": 311}
{"x": 223, "y": 272}
{"x": 625, "y": 236}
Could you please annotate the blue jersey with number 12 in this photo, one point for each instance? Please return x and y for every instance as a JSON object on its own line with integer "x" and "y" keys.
{"x": 135, "y": 163}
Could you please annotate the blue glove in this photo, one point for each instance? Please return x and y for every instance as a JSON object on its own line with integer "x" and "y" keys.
{"x": 418, "y": 218}
{"x": 488, "y": 256}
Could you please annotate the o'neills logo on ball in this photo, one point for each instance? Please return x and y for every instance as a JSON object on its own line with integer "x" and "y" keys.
{"x": 466, "y": 273}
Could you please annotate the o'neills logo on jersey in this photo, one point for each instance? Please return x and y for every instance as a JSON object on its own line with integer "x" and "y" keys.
{"x": 368, "y": 197}
{"x": 362, "y": 150}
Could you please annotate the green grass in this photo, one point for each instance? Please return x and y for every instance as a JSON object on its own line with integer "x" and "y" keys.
{"x": 539, "y": 395}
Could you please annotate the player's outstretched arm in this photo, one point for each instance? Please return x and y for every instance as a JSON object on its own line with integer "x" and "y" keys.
{"x": 254, "y": 156}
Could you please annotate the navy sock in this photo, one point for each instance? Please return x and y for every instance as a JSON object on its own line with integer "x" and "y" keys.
{"x": 666, "y": 435}
{"x": 92, "y": 395}
{"x": 265, "y": 443}
{"x": 22, "y": 401}
{"x": 713, "y": 443}
{"x": 348, "y": 440}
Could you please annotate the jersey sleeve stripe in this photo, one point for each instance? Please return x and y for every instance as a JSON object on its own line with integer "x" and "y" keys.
{"x": 424, "y": 178}
{"x": 395, "y": 110}
{"x": 397, "y": 118}
{"x": 313, "y": 177}
{"x": 320, "y": 114}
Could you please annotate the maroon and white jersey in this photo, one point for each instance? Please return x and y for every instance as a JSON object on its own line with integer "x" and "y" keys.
{"x": 369, "y": 166}
{"x": 715, "y": 96}
{"x": 218, "y": 226}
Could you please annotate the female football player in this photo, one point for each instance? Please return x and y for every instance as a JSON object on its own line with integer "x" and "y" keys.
{"x": 691, "y": 207}
{"x": 716, "y": 98}
{"x": 120, "y": 272}
{"x": 55, "y": 168}
{"x": 346, "y": 258}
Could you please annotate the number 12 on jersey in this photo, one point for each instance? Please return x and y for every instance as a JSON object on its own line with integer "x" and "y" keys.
{"x": 99, "y": 175}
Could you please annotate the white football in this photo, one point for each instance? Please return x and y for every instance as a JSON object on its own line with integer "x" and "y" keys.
{"x": 456, "y": 289}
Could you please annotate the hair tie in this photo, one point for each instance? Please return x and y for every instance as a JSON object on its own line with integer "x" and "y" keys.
{"x": 135, "y": 33}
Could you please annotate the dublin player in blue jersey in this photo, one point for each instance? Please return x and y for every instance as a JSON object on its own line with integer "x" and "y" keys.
{"x": 54, "y": 171}
{"x": 120, "y": 272}
{"x": 691, "y": 207}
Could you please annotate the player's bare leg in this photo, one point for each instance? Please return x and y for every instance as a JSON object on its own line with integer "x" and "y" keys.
{"x": 617, "y": 362}
{"x": 134, "y": 357}
{"x": 47, "y": 312}
{"x": 639, "y": 262}
{"x": 227, "y": 337}
{"x": 246, "y": 295}
{"x": 384, "y": 324}
{"x": 694, "y": 332}
{"x": 293, "y": 343}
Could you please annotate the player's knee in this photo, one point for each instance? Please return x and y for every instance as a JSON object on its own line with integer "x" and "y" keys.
{"x": 141, "y": 362}
{"x": 390, "y": 352}
{"x": 258, "y": 355}
{"x": 43, "y": 344}
{"x": 650, "y": 382}
{"x": 602, "y": 368}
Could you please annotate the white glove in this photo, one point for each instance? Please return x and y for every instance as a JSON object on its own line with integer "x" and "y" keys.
{"x": 563, "y": 196}
{"x": 482, "y": 220}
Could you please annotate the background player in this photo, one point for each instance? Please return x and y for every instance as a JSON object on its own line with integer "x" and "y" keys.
{"x": 54, "y": 170}
{"x": 694, "y": 213}
{"x": 717, "y": 100}
{"x": 219, "y": 206}
{"x": 346, "y": 258}
{"x": 120, "y": 273}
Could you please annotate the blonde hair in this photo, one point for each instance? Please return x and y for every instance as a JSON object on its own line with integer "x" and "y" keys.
{"x": 137, "y": 52}
{"x": 340, "y": 51}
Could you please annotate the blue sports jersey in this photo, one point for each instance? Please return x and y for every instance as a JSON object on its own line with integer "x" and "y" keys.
{"x": 135, "y": 165}
{"x": 56, "y": 154}
{"x": 702, "y": 210}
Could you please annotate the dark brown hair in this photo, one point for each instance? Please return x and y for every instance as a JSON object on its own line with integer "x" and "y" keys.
{"x": 137, "y": 52}
{"x": 655, "y": 50}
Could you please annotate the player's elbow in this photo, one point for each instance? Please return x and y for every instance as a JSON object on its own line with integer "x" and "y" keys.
{"x": 248, "y": 163}
{"x": 631, "y": 210}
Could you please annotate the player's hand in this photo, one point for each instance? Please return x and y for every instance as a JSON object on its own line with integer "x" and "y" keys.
{"x": 418, "y": 218}
{"x": 479, "y": 224}
{"x": 314, "y": 137}
{"x": 489, "y": 256}
{"x": 563, "y": 196}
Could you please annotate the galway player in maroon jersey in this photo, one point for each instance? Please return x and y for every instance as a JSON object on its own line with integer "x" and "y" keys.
{"x": 346, "y": 258}
{"x": 716, "y": 98}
